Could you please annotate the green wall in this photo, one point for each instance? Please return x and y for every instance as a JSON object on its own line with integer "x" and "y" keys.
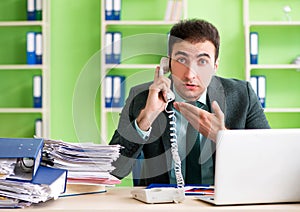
{"x": 75, "y": 38}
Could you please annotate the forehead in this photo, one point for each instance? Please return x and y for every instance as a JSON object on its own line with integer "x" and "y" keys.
{"x": 194, "y": 49}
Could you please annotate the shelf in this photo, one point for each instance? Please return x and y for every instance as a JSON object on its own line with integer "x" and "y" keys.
{"x": 274, "y": 23}
{"x": 275, "y": 66}
{"x": 10, "y": 67}
{"x": 113, "y": 110}
{"x": 21, "y": 23}
{"x": 283, "y": 110}
{"x": 142, "y": 23}
{"x": 21, "y": 110}
{"x": 131, "y": 66}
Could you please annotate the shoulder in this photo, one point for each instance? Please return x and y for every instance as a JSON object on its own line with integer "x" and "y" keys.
{"x": 229, "y": 84}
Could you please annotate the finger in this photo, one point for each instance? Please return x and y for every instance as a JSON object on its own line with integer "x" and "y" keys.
{"x": 218, "y": 112}
{"x": 156, "y": 74}
{"x": 189, "y": 111}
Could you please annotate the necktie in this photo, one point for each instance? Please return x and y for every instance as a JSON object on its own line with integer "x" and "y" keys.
{"x": 193, "y": 166}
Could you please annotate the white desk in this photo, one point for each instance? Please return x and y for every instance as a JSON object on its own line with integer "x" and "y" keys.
{"x": 119, "y": 199}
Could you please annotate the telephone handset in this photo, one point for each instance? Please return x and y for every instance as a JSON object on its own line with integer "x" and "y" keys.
{"x": 164, "y": 68}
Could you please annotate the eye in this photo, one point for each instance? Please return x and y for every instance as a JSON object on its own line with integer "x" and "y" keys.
{"x": 203, "y": 61}
{"x": 181, "y": 60}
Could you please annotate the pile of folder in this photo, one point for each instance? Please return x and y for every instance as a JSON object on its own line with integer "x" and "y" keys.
{"x": 87, "y": 163}
{"x": 23, "y": 180}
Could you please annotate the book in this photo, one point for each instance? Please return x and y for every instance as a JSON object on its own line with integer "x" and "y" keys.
{"x": 26, "y": 151}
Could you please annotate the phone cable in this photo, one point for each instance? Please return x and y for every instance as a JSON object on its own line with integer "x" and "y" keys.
{"x": 174, "y": 144}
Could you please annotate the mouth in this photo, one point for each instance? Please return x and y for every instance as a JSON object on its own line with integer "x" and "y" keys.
{"x": 190, "y": 86}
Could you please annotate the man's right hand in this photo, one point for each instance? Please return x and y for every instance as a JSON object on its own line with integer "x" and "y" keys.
{"x": 156, "y": 101}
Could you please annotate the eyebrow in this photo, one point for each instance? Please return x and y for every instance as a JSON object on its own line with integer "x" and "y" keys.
{"x": 185, "y": 54}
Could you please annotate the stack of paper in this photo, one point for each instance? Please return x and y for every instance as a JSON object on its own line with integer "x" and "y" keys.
{"x": 48, "y": 183}
{"x": 87, "y": 163}
{"x": 23, "y": 180}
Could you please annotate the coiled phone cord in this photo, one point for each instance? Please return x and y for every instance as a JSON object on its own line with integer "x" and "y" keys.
{"x": 174, "y": 144}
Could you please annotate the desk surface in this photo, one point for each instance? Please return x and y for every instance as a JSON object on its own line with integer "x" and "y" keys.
{"x": 119, "y": 199}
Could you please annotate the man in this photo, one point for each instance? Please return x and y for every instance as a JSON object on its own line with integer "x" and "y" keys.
{"x": 144, "y": 126}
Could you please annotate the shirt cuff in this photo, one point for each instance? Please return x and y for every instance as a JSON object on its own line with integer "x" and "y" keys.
{"x": 144, "y": 134}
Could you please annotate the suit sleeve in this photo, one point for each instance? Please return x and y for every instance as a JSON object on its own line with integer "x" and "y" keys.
{"x": 127, "y": 136}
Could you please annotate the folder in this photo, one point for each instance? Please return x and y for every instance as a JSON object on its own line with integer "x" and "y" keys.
{"x": 116, "y": 9}
{"x": 109, "y": 48}
{"x": 30, "y": 10}
{"x": 253, "y": 48}
{"x": 26, "y": 151}
{"x": 38, "y": 48}
{"x": 108, "y": 91}
{"x": 108, "y": 9}
{"x": 38, "y": 128}
{"x": 55, "y": 178}
{"x": 31, "y": 48}
{"x": 38, "y": 10}
{"x": 261, "y": 90}
{"x": 117, "y": 47}
{"x": 118, "y": 91}
{"x": 37, "y": 91}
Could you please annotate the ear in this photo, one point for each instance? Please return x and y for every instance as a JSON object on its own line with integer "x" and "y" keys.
{"x": 216, "y": 65}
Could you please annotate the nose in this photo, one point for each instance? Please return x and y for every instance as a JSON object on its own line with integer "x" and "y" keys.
{"x": 190, "y": 71}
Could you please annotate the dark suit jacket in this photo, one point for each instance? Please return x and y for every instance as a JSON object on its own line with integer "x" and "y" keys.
{"x": 236, "y": 98}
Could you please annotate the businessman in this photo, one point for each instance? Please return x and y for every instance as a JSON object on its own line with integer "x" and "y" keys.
{"x": 204, "y": 104}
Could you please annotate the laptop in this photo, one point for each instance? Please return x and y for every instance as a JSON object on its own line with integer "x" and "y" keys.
{"x": 256, "y": 166}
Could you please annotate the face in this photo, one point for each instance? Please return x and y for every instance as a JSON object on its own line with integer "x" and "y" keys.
{"x": 192, "y": 67}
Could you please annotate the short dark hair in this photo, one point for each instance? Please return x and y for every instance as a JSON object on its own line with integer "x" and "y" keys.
{"x": 194, "y": 31}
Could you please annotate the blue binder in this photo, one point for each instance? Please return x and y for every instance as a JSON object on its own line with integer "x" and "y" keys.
{"x": 37, "y": 91}
{"x": 261, "y": 90}
{"x": 108, "y": 91}
{"x": 31, "y": 59}
{"x": 30, "y": 10}
{"x": 253, "y": 48}
{"x": 56, "y": 178}
{"x": 109, "y": 9}
{"x": 117, "y": 44}
{"x": 108, "y": 48}
{"x": 28, "y": 153}
{"x": 38, "y": 48}
{"x": 118, "y": 98}
{"x": 116, "y": 9}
